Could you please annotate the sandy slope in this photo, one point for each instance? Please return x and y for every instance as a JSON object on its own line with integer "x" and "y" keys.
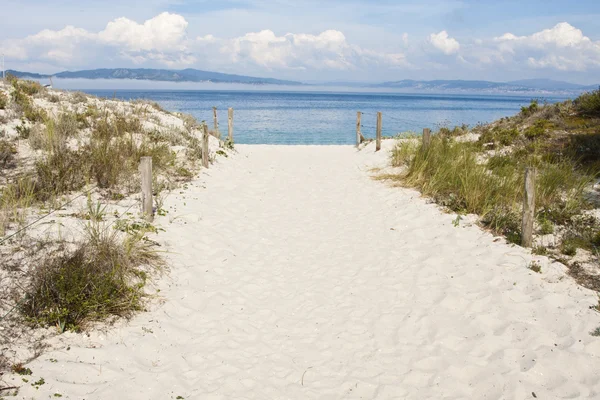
{"x": 294, "y": 275}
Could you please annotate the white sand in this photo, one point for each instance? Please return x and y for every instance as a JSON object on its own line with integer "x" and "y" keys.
{"x": 294, "y": 275}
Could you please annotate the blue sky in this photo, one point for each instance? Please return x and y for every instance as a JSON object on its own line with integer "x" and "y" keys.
{"x": 311, "y": 40}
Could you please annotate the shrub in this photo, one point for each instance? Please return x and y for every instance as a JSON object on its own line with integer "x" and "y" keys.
{"x": 530, "y": 109}
{"x": 588, "y": 103}
{"x": 538, "y": 129}
{"x": 546, "y": 227}
{"x": 78, "y": 97}
{"x": 102, "y": 277}
{"x": 3, "y": 101}
{"x": 60, "y": 172}
{"x": 499, "y": 135}
{"x": 28, "y": 87}
{"x": 7, "y": 153}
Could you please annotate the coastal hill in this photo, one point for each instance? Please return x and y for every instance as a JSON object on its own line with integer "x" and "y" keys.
{"x": 164, "y": 75}
{"x": 408, "y": 85}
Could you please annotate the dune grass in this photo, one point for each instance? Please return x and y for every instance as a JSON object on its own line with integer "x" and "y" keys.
{"x": 102, "y": 276}
{"x": 486, "y": 177}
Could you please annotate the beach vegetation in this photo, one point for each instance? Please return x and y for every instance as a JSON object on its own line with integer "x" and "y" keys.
{"x": 485, "y": 176}
{"x": 102, "y": 276}
{"x": 3, "y": 101}
{"x": 588, "y": 104}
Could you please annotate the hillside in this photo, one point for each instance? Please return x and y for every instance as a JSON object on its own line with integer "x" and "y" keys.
{"x": 481, "y": 171}
{"x": 165, "y": 75}
{"x": 74, "y": 245}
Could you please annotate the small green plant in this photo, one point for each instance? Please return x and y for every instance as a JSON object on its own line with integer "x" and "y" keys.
{"x": 535, "y": 267}
{"x": 596, "y": 332}
{"x": 456, "y": 221}
{"x": 38, "y": 383}
{"x": 23, "y": 130}
{"x": 228, "y": 143}
{"x": 20, "y": 369}
{"x": 540, "y": 250}
{"x": 568, "y": 248}
{"x": 184, "y": 172}
{"x": 546, "y": 227}
{"x": 222, "y": 153}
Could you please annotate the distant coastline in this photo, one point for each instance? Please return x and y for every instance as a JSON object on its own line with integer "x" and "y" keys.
{"x": 192, "y": 79}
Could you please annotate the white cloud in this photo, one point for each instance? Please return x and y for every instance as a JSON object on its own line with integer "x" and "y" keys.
{"x": 163, "y": 40}
{"x": 562, "y": 47}
{"x": 300, "y": 51}
{"x": 163, "y": 33}
{"x": 444, "y": 43}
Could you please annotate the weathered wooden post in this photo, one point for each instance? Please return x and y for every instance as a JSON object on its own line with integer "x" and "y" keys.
{"x": 146, "y": 177}
{"x": 378, "y": 137}
{"x": 216, "y": 123}
{"x": 528, "y": 208}
{"x": 426, "y": 138}
{"x": 204, "y": 145}
{"x": 230, "y": 125}
{"x": 358, "y": 134}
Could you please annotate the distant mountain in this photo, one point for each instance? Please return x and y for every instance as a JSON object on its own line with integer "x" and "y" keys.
{"x": 165, "y": 75}
{"x": 546, "y": 84}
{"x": 520, "y": 86}
{"x": 524, "y": 86}
{"x": 20, "y": 74}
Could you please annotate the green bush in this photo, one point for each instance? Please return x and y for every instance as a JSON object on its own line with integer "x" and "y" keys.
{"x": 102, "y": 277}
{"x": 3, "y": 101}
{"x": 530, "y": 109}
{"x": 538, "y": 129}
{"x": 588, "y": 103}
{"x": 499, "y": 136}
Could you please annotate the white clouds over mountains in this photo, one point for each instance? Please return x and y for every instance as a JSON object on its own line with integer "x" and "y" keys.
{"x": 164, "y": 41}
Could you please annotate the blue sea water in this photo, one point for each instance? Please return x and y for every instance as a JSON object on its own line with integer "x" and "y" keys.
{"x": 328, "y": 118}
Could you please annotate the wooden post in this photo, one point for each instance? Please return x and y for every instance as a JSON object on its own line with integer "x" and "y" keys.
{"x": 216, "y": 123}
{"x": 146, "y": 176}
{"x": 230, "y": 125}
{"x": 204, "y": 145}
{"x": 426, "y": 138}
{"x": 358, "y": 134}
{"x": 528, "y": 208}
{"x": 378, "y": 137}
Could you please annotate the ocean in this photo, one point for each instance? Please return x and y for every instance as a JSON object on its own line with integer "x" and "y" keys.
{"x": 328, "y": 118}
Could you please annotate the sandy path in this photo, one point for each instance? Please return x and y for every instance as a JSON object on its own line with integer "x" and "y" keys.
{"x": 296, "y": 276}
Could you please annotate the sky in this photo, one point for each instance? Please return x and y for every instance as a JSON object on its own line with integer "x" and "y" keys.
{"x": 310, "y": 40}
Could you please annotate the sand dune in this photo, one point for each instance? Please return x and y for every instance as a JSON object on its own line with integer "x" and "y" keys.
{"x": 296, "y": 276}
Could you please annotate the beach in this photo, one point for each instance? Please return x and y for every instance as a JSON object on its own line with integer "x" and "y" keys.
{"x": 294, "y": 274}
